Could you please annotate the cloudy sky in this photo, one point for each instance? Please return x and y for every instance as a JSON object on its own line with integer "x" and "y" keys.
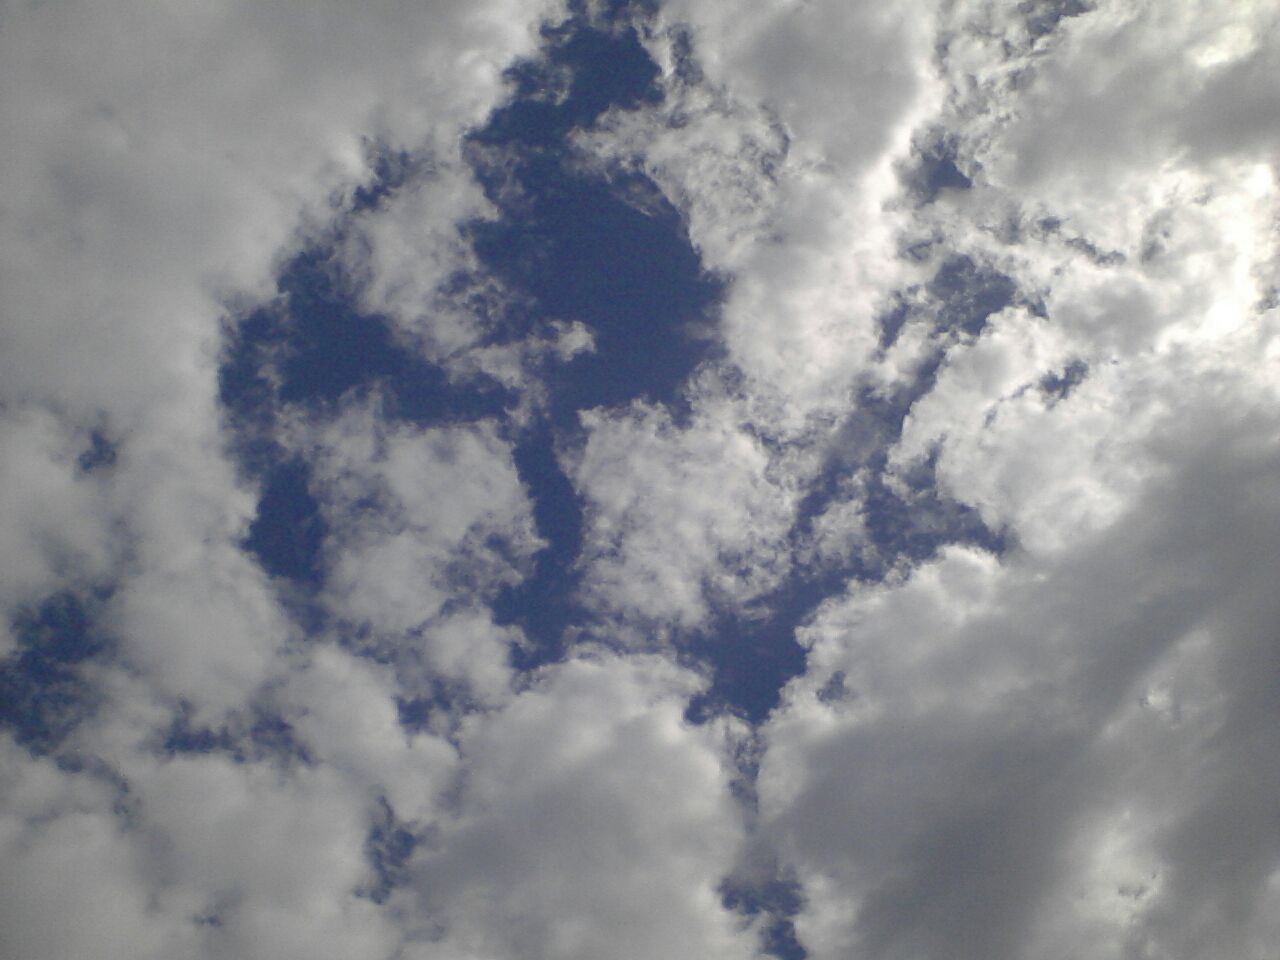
{"x": 621, "y": 480}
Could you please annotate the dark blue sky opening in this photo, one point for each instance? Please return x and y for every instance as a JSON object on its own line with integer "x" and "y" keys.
{"x": 391, "y": 170}
{"x": 935, "y": 169}
{"x": 314, "y": 348}
{"x": 185, "y": 737}
{"x": 891, "y": 323}
{"x": 969, "y": 294}
{"x": 543, "y": 605}
{"x": 100, "y": 454}
{"x": 778, "y": 898}
{"x": 388, "y": 848}
{"x": 571, "y": 245}
{"x": 288, "y": 533}
{"x": 612, "y": 253}
{"x": 1043, "y": 16}
{"x": 42, "y": 695}
{"x": 754, "y": 653}
{"x": 334, "y": 350}
{"x": 1058, "y": 386}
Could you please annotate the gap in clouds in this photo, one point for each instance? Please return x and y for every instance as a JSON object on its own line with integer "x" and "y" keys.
{"x": 762, "y": 889}
{"x": 777, "y": 897}
{"x": 568, "y": 245}
{"x": 43, "y": 695}
{"x": 573, "y": 273}
{"x": 1066, "y": 750}
{"x": 1043, "y": 16}
{"x": 934, "y": 170}
{"x": 100, "y": 454}
{"x": 388, "y": 848}
{"x": 613, "y": 254}
{"x": 310, "y": 351}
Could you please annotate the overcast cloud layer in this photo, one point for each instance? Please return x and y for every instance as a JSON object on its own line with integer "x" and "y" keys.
{"x": 514, "y": 479}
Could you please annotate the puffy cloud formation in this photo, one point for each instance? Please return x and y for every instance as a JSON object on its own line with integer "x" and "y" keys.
{"x": 1062, "y": 753}
{"x": 679, "y": 517}
{"x": 899, "y": 584}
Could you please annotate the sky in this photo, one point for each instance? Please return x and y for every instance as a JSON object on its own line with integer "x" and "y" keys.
{"x": 635, "y": 479}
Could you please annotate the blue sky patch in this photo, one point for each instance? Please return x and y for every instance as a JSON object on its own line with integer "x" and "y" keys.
{"x": 43, "y": 697}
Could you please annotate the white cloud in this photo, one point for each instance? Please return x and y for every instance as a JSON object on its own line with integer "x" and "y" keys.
{"x": 1140, "y": 87}
{"x": 158, "y": 162}
{"x": 1066, "y": 748}
{"x": 984, "y": 786}
{"x": 1047, "y": 750}
{"x": 61, "y": 846}
{"x": 343, "y": 709}
{"x": 843, "y": 78}
{"x": 591, "y": 821}
{"x": 1044, "y": 468}
{"x": 276, "y": 858}
{"x": 54, "y": 530}
{"x": 679, "y": 517}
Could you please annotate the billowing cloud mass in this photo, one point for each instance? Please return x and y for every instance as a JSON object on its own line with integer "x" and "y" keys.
{"x": 575, "y": 479}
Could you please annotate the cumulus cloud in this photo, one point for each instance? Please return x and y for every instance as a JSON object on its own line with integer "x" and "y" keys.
{"x": 53, "y": 531}
{"x": 592, "y": 819}
{"x": 778, "y": 141}
{"x": 426, "y": 526}
{"x": 412, "y": 511}
{"x": 159, "y": 164}
{"x": 679, "y": 518}
{"x": 409, "y": 247}
{"x": 982, "y": 414}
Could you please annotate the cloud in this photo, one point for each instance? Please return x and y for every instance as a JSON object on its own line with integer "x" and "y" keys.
{"x": 1026, "y": 755}
{"x": 967, "y": 383}
{"x": 591, "y": 820}
{"x": 53, "y": 532}
{"x": 409, "y": 248}
{"x": 413, "y": 513}
{"x": 426, "y": 527}
{"x": 839, "y": 109}
{"x": 948, "y": 777}
{"x": 158, "y": 165}
{"x": 679, "y": 518}
{"x": 62, "y": 845}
